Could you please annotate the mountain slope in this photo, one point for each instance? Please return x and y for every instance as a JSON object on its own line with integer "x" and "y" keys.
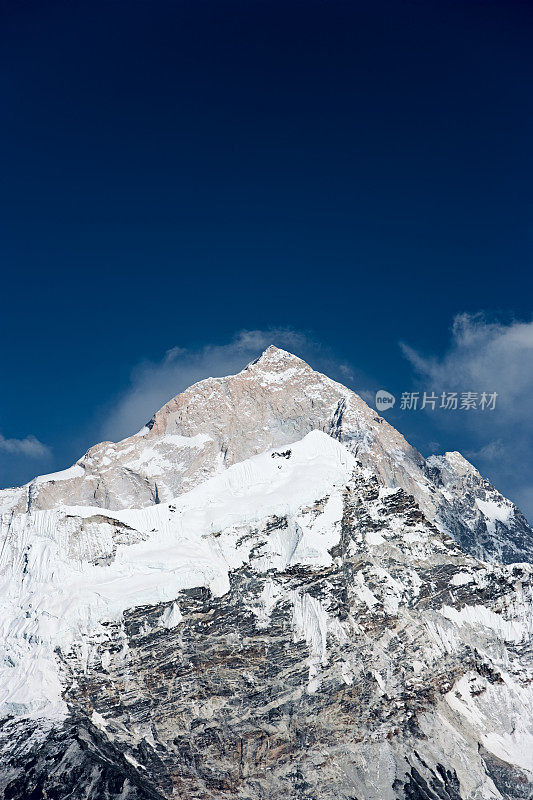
{"x": 292, "y": 623}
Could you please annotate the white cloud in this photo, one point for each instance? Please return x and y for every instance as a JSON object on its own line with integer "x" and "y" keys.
{"x": 492, "y": 451}
{"x": 347, "y": 372}
{"x": 154, "y": 383}
{"x": 30, "y": 447}
{"x": 484, "y": 356}
{"x": 487, "y": 356}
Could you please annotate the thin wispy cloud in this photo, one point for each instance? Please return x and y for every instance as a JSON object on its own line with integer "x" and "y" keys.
{"x": 484, "y": 356}
{"x": 492, "y": 451}
{"x": 29, "y": 447}
{"x": 489, "y": 356}
{"x": 22, "y": 458}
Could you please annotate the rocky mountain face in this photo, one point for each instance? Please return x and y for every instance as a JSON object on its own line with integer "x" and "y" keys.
{"x": 475, "y": 513}
{"x": 265, "y": 593}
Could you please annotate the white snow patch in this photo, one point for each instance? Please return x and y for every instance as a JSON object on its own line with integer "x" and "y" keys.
{"x": 98, "y": 720}
{"x": 374, "y": 538}
{"x": 312, "y": 623}
{"x": 133, "y": 761}
{"x": 63, "y": 475}
{"x": 495, "y": 511}
{"x": 363, "y": 592}
{"x": 501, "y": 712}
{"x": 461, "y": 579}
{"x": 171, "y": 617}
{"x": 144, "y": 430}
{"x": 268, "y": 599}
{"x": 106, "y": 660}
{"x": 478, "y": 616}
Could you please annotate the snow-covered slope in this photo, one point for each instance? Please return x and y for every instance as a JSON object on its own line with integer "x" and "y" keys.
{"x": 65, "y": 570}
{"x": 267, "y": 603}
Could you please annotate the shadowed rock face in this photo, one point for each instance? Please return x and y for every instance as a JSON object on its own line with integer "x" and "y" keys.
{"x": 274, "y": 402}
{"x": 72, "y": 760}
{"x": 343, "y": 646}
{"x": 484, "y": 523}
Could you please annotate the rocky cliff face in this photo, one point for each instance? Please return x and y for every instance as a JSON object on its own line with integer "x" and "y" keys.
{"x": 268, "y": 602}
{"x": 475, "y": 513}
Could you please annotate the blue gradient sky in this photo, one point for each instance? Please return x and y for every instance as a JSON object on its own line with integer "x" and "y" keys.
{"x": 177, "y": 172}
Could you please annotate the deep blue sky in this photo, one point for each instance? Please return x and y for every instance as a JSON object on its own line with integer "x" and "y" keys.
{"x": 177, "y": 171}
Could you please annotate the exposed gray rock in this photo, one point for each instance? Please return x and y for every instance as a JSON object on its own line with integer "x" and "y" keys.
{"x": 484, "y": 522}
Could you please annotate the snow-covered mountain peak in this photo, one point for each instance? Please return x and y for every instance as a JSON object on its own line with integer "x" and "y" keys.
{"x": 279, "y": 364}
{"x": 259, "y": 595}
{"x": 455, "y": 463}
{"x": 271, "y": 403}
{"x": 276, "y": 358}
{"x": 260, "y": 385}
{"x": 275, "y": 369}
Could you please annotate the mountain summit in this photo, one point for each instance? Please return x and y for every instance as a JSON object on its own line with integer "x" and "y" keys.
{"x": 265, "y": 592}
{"x": 275, "y": 401}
